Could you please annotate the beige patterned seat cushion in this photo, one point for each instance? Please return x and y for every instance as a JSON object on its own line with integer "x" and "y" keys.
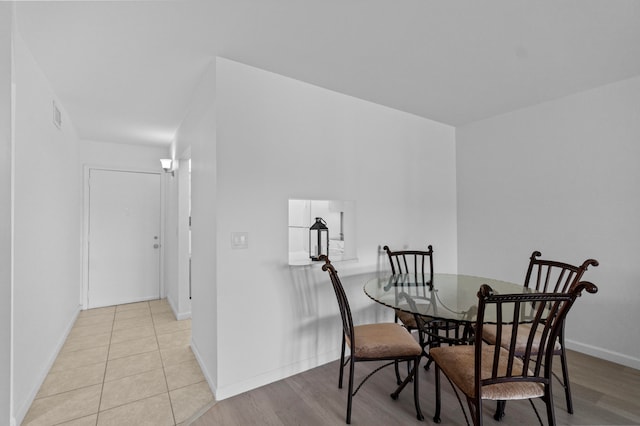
{"x": 489, "y": 336}
{"x": 409, "y": 320}
{"x": 457, "y": 362}
{"x": 386, "y": 340}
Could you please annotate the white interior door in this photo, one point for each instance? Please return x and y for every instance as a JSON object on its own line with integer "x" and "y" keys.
{"x": 124, "y": 237}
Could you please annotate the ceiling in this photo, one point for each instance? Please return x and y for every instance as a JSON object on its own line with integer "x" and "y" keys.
{"x": 126, "y": 71}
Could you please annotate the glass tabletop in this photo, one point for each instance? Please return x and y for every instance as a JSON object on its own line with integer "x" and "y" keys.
{"x": 449, "y": 297}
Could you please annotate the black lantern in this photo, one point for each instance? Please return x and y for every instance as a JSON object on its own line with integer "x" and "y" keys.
{"x": 318, "y": 239}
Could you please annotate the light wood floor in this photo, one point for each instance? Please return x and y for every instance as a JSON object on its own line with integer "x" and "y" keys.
{"x": 603, "y": 394}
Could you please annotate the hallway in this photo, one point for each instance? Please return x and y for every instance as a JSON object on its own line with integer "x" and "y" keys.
{"x": 123, "y": 365}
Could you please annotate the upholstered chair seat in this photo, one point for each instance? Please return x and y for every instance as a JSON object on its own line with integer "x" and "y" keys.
{"x": 458, "y": 364}
{"x": 386, "y": 340}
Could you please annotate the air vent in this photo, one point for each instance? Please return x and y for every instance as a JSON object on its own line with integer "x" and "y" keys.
{"x": 57, "y": 116}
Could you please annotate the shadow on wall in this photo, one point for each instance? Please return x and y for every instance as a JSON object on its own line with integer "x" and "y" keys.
{"x": 317, "y": 335}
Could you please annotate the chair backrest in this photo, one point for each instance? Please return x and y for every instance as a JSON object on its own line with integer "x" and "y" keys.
{"x": 343, "y": 302}
{"x": 552, "y": 276}
{"x": 534, "y": 365}
{"x": 416, "y": 262}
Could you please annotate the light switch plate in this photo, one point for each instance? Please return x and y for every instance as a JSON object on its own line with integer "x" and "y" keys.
{"x": 239, "y": 240}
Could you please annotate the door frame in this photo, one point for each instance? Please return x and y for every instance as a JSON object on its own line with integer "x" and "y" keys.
{"x": 183, "y": 310}
{"x": 84, "y": 290}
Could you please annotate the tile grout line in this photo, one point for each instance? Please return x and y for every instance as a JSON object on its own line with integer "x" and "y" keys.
{"x": 164, "y": 373}
{"x": 157, "y": 321}
{"x": 142, "y": 398}
{"x": 160, "y": 356}
{"x": 104, "y": 376}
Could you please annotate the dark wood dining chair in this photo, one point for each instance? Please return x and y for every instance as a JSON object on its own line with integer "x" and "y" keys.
{"x": 389, "y": 342}
{"x": 418, "y": 266}
{"x": 553, "y": 277}
{"x": 498, "y": 372}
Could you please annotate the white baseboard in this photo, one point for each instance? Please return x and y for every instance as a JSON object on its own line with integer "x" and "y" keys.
{"x": 275, "y": 375}
{"x": 224, "y": 392}
{"x": 24, "y": 407}
{"x": 204, "y": 369}
{"x": 605, "y": 354}
{"x": 183, "y": 315}
{"x": 179, "y": 315}
{"x": 263, "y": 379}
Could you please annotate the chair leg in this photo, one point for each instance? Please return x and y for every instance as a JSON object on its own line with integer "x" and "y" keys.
{"x": 416, "y": 393}
{"x": 565, "y": 379}
{"x": 411, "y": 377}
{"x": 432, "y": 343}
{"x": 548, "y": 400}
{"x": 350, "y": 394}
{"x": 395, "y": 366}
{"x": 428, "y": 364}
{"x": 499, "y": 410}
{"x": 436, "y": 416}
{"x": 423, "y": 344}
{"x": 341, "y": 362}
{"x": 397, "y": 369}
{"x": 475, "y": 408}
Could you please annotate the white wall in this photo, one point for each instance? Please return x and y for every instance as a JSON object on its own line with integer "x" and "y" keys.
{"x": 47, "y": 230}
{"x": 197, "y": 133}
{"x": 277, "y": 139}
{"x": 561, "y": 177}
{"x": 122, "y": 156}
{"x": 6, "y": 28}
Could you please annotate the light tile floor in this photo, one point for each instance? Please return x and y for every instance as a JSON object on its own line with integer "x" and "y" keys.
{"x": 123, "y": 365}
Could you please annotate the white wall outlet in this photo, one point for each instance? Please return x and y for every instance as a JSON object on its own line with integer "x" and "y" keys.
{"x": 239, "y": 240}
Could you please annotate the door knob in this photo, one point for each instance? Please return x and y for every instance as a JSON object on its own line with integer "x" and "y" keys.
{"x": 155, "y": 246}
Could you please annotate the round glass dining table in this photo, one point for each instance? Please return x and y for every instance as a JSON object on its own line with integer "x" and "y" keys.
{"x": 450, "y": 297}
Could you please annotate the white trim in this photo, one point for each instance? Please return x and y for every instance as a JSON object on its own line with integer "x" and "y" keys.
{"x": 163, "y": 202}
{"x": 12, "y": 123}
{"x": 85, "y": 223}
{"x": 183, "y": 316}
{"x": 275, "y": 375}
{"x": 605, "y": 354}
{"x": 179, "y": 315}
{"x": 182, "y": 203}
{"x": 203, "y": 368}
